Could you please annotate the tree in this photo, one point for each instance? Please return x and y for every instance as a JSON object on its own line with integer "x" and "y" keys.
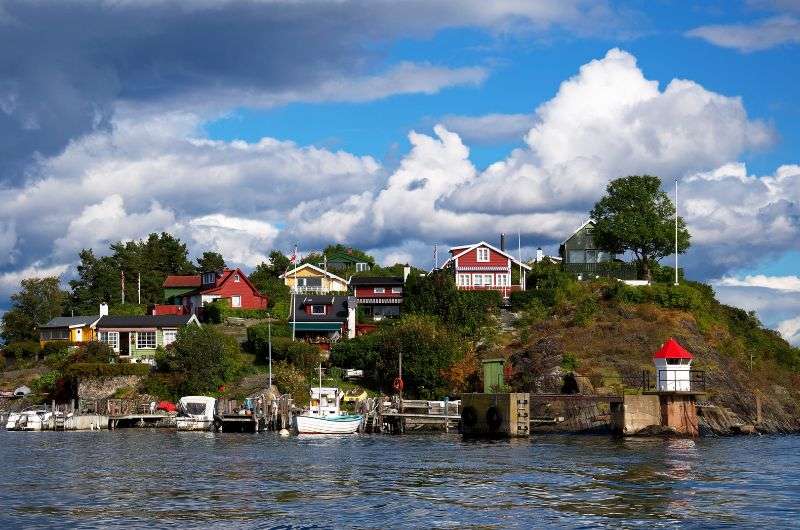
{"x": 636, "y": 215}
{"x": 38, "y": 301}
{"x": 211, "y": 261}
{"x": 266, "y": 279}
{"x": 203, "y": 358}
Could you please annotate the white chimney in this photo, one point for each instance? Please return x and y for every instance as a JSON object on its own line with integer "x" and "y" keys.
{"x": 539, "y": 254}
{"x": 103, "y": 309}
{"x": 406, "y": 272}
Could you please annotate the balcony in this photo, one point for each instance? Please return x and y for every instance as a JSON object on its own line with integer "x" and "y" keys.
{"x": 303, "y": 289}
{"x": 607, "y": 269}
{"x": 504, "y": 290}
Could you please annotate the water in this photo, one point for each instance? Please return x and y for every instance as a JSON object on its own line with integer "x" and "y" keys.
{"x": 138, "y": 478}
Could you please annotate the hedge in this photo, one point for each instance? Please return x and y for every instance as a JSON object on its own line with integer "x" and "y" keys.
{"x": 106, "y": 370}
{"x": 22, "y": 350}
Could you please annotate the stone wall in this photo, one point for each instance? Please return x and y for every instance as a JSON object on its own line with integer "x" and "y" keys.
{"x": 105, "y": 387}
{"x": 636, "y": 414}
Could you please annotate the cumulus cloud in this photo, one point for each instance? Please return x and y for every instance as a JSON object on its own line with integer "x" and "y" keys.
{"x": 489, "y": 128}
{"x": 10, "y": 281}
{"x": 607, "y": 121}
{"x": 240, "y": 240}
{"x": 780, "y": 283}
{"x": 757, "y": 36}
{"x": 790, "y": 330}
{"x": 203, "y": 55}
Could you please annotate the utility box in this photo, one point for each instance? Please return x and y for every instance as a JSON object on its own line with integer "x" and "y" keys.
{"x": 493, "y": 377}
{"x": 495, "y": 415}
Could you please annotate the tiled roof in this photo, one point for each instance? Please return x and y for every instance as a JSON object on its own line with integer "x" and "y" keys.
{"x": 191, "y": 280}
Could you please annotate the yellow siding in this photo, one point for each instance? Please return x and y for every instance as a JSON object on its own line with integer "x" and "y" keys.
{"x": 328, "y": 284}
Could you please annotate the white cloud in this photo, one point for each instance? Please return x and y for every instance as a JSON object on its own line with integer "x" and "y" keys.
{"x": 761, "y": 35}
{"x": 239, "y": 240}
{"x": 780, "y": 283}
{"x": 10, "y": 281}
{"x": 489, "y": 128}
{"x": 790, "y": 330}
{"x": 608, "y": 121}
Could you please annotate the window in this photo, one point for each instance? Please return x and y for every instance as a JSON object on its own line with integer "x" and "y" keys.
{"x": 477, "y": 280}
{"x": 397, "y": 290}
{"x": 55, "y": 334}
{"x": 591, "y": 256}
{"x": 111, "y": 338}
{"x": 236, "y": 278}
{"x": 146, "y": 340}
{"x": 502, "y": 280}
{"x": 576, "y": 256}
{"x": 317, "y": 309}
{"x": 209, "y": 278}
{"x": 309, "y": 282}
{"x": 464, "y": 280}
{"x": 170, "y": 335}
{"x": 236, "y": 301}
{"x": 483, "y": 254}
{"x": 487, "y": 279}
{"x": 361, "y": 267}
{"x": 379, "y": 290}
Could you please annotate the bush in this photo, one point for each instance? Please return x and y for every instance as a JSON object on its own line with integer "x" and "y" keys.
{"x": 585, "y": 311}
{"x": 22, "y": 350}
{"x": 306, "y": 357}
{"x": 290, "y": 380}
{"x": 93, "y": 352}
{"x": 56, "y": 347}
{"x": 684, "y": 296}
{"x": 45, "y": 383}
{"x": 218, "y": 310}
{"x": 95, "y": 369}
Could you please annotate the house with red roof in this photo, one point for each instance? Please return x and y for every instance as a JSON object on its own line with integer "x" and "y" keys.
{"x": 192, "y": 292}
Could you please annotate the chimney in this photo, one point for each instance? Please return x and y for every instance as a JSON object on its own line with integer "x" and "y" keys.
{"x": 503, "y": 242}
{"x": 103, "y": 309}
{"x": 406, "y": 272}
{"x": 539, "y": 255}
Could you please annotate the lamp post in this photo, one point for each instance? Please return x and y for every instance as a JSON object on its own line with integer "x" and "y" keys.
{"x": 269, "y": 339}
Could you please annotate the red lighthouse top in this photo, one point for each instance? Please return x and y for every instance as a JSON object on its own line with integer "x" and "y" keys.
{"x": 672, "y": 350}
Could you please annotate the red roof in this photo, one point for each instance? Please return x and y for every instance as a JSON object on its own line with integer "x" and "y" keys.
{"x": 191, "y": 280}
{"x": 672, "y": 350}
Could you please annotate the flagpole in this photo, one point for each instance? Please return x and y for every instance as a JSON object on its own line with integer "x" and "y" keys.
{"x": 519, "y": 250}
{"x": 294, "y": 291}
{"x": 676, "y": 230}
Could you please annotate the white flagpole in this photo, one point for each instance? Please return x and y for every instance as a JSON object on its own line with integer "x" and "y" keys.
{"x": 676, "y": 231}
{"x": 294, "y": 290}
{"x": 519, "y": 250}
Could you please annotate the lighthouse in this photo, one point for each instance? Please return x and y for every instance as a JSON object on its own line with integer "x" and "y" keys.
{"x": 673, "y": 367}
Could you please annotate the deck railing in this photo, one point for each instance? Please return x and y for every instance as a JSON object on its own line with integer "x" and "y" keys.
{"x": 606, "y": 269}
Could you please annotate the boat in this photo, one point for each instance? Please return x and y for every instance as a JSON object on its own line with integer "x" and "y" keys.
{"x": 34, "y": 419}
{"x": 196, "y": 413}
{"x": 323, "y": 415}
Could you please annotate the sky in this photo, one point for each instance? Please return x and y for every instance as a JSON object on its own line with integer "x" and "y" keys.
{"x": 242, "y": 126}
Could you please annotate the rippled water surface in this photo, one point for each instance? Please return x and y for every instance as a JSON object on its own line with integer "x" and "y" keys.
{"x": 134, "y": 478}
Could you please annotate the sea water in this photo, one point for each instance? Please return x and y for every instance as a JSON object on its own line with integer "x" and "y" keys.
{"x": 160, "y": 478}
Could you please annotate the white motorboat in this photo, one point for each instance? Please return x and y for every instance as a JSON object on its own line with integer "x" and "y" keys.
{"x": 196, "y": 413}
{"x": 36, "y": 419}
{"x": 323, "y": 416}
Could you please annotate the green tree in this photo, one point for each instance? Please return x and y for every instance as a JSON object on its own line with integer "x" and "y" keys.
{"x": 203, "y": 358}
{"x": 211, "y": 261}
{"x": 38, "y": 300}
{"x": 266, "y": 278}
{"x": 98, "y": 281}
{"x": 636, "y": 215}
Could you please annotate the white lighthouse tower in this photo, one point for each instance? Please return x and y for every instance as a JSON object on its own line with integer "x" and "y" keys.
{"x": 673, "y": 367}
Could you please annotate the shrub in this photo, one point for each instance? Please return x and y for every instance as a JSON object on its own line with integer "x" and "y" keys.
{"x": 95, "y": 369}
{"x": 93, "y": 352}
{"x": 22, "y": 350}
{"x": 218, "y": 310}
{"x": 290, "y": 380}
{"x": 56, "y": 347}
{"x": 45, "y": 383}
{"x": 569, "y": 362}
{"x": 585, "y": 311}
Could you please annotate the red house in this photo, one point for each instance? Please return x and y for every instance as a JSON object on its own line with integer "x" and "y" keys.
{"x": 481, "y": 266}
{"x": 204, "y": 288}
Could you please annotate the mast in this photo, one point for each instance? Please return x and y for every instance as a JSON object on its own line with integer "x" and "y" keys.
{"x": 319, "y": 397}
{"x": 676, "y": 230}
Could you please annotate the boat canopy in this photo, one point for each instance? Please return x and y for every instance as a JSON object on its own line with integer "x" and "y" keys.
{"x": 197, "y": 405}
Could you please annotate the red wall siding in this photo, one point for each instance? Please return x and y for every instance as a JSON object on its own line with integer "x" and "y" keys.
{"x": 250, "y": 299}
{"x": 470, "y": 259}
{"x": 369, "y": 292}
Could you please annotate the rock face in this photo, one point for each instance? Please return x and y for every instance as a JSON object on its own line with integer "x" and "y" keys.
{"x": 105, "y": 387}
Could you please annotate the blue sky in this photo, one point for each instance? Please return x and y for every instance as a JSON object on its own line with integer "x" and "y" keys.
{"x": 247, "y": 126}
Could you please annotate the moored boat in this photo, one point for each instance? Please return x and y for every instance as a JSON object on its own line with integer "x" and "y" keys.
{"x": 195, "y": 413}
{"x": 323, "y": 415}
{"x": 29, "y": 420}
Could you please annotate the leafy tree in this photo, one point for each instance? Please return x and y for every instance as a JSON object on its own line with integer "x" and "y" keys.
{"x": 211, "y": 261}
{"x": 637, "y": 216}
{"x": 38, "y": 300}
{"x": 98, "y": 281}
{"x": 204, "y": 359}
{"x": 266, "y": 279}
{"x": 429, "y": 349}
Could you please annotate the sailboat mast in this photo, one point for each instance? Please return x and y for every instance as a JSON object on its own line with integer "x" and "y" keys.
{"x": 319, "y": 398}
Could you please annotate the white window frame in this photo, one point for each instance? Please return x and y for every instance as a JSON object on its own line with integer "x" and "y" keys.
{"x": 140, "y": 334}
{"x": 236, "y": 278}
{"x": 477, "y": 280}
{"x": 488, "y": 280}
{"x": 362, "y": 266}
{"x": 397, "y": 290}
{"x": 379, "y": 290}
{"x": 465, "y": 280}
{"x": 503, "y": 280}
{"x": 317, "y": 312}
{"x": 236, "y": 301}
{"x": 482, "y": 254}
{"x": 111, "y": 338}
{"x": 173, "y": 336}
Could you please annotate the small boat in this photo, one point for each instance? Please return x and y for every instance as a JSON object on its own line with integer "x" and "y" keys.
{"x": 323, "y": 416}
{"x": 196, "y": 413}
{"x": 35, "y": 419}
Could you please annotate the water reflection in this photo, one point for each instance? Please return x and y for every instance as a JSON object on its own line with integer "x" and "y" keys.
{"x": 159, "y": 478}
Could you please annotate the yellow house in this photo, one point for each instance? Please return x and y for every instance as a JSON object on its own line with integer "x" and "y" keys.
{"x": 308, "y": 279}
{"x": 73, "y": 329}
